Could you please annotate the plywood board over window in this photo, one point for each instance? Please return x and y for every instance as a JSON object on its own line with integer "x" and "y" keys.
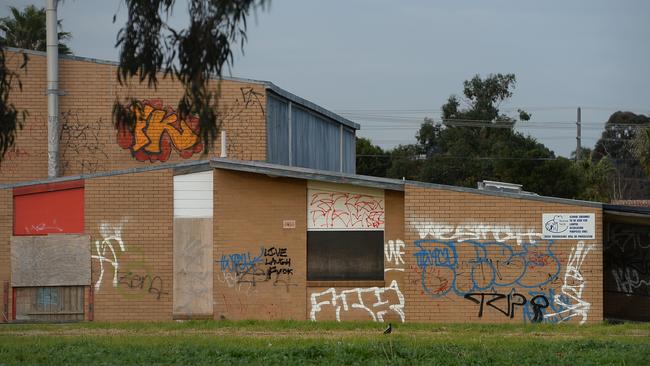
{"x": 193, "y": 246}
{"x": 49, "y": 274}
{"x": 52, "y": 260}
{"x": 345, "y": 237}
{"x": 61, "y": 303}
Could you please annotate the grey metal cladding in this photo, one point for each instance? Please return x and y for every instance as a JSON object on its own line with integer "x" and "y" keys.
{"x": 315, "y": 141}
{"x": 277, "y": 129}
{"x": 311, "y": 106}
{"x": 349, "y": 151}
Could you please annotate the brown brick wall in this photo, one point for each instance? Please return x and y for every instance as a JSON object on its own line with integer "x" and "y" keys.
{"x": 6, "y": 222}
{"x": 470, "y": 239}
{"x": 249, "y": 211}
{"x": 136, "y": 209}
{"x": 515, "y": 269}
{"x": 88, "y": 139}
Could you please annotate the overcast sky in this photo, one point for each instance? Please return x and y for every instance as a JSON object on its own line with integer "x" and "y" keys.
{"x": 388, "y": 64}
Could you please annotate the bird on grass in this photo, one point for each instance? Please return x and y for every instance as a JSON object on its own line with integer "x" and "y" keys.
{"x": 389, "y": 330}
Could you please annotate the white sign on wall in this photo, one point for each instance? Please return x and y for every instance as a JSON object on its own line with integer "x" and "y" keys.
{"x": 568, "y": 226}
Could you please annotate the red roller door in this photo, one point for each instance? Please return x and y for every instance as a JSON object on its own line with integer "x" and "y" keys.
{"x": 54, "y": 208}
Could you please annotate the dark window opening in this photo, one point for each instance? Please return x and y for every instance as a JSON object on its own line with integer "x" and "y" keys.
{"x": 345, "y": 255}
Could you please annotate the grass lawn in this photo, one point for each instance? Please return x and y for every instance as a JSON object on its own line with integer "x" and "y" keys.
{"x": 288, "y": 342}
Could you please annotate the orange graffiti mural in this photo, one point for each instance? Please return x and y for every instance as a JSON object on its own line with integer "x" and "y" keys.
{"x": 157, "y": 130}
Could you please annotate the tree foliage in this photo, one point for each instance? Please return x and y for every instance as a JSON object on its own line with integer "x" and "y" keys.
{"x": 619, "y": 143}
{"x": 371, "y": 159}
{"x": 10, "y": 118}
{"x": 26, "y": 29}
{"x": 476, "y": 141}
{"x": 149, "y": 45}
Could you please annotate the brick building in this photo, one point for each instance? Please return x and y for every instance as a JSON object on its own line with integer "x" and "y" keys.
{"x": 262, "y": 122}
{"x": 134, "y": 238}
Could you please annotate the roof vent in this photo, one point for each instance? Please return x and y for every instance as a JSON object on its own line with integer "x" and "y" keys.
{"x": 490, "y": 185}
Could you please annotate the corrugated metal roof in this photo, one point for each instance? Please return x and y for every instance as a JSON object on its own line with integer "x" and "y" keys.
{"x": 267, "y": 84}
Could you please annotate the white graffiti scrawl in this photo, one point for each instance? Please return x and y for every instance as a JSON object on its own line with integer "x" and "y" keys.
{"x": 477, "y": 231}
{"x": 393, "y": 250}
{"x": 377, "y": 310}
{"x": 574, "y": 283}
{"x": 106, "y": 251}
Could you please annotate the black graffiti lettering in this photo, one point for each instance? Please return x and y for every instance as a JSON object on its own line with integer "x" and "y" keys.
{"x": 512, "y": 300}
{"x": 470, "y": 296}
{"x": 276, "y": 269}
{"x": 496, "y": 297}
{"x": 278, "y": 261}
{"x": 522, "y": 302}
{"x": 275, "y": 252}
{"x": 152, "y": 284}
{"x": 251, "y": 275}
{"x": 538, "y": 306}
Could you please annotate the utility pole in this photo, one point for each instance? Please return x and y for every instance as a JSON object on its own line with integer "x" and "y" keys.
{"x": 578, "y": 134}
{"x": 52, "y": 89}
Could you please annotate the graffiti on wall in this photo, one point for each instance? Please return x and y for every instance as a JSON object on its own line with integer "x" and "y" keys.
{"x": 509, "y": 234}
{"x": 627, "y": 259}
{"x": 506, "y": 303}
{"x": 383, "y": 300}
{"x": 107, "y": 249}
{"x": 237, "y": 114}
{"x": 158, "y": 131}
{"x": 503, "y": 269}
{"x": 345, "y": 210}
{"x": 150, "y": 284}
{"x": 393, "y": 251}
{"x": 245, "y": 270}
{"x": 470, "y": 266}
{"x": 8, "y": 164}
{"x": 82, "y": 150}
{"x": 50, "y": 226}
{"x": 570, "y": 300}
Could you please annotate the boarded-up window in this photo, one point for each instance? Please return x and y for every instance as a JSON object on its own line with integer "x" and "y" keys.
{"x": 345, "y": 237}
{"x": 55, "y": 208}
{"x": 193, "y": 206}
{"x": 52, "y": 260}
{"x": 62, "y": 303}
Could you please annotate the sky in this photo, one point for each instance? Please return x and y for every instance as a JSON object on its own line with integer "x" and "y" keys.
{"x": 388, "y": 64}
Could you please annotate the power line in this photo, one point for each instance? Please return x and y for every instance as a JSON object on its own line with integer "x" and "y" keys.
{"x": 456, "y": 157}
{"x": 510, "y": 109}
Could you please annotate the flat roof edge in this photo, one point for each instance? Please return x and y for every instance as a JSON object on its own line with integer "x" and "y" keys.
{"x": 320, "y": 175}
{"x": 236, "y": 165}
{"x": 530, "y": 197}
{"x": 107, "y": 174}
{"x": 622, "y": 209}
{"x": 307, "y": 174}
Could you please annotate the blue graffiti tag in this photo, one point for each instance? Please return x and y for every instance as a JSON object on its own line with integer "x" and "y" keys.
{"x": 240, "y": 262}
{"x": 471, "y": 266}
